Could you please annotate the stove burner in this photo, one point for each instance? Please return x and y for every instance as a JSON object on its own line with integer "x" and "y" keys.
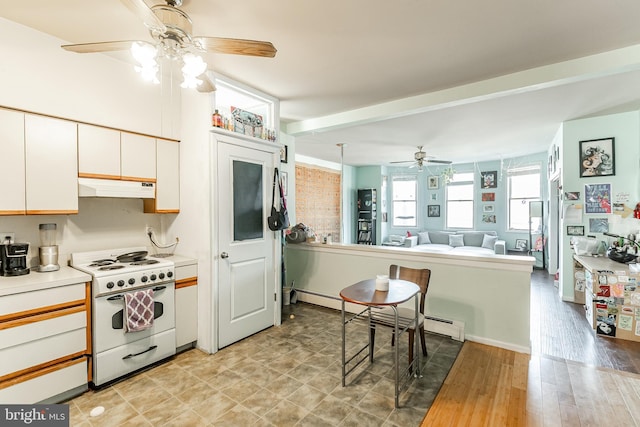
{"x": 101, "y": 262}
{"x": 111, "y": 267}
{"x": 145, "y": 262}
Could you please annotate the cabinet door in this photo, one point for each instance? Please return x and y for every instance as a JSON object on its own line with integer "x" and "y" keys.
{"x": 186, "y": 315}
{"x": 168, "y": 173}
{"x": 98, "y": 152}
{"x": 51, "y": 165}
{"x": 138, "y": 162}
{"x": 12, "y": 201}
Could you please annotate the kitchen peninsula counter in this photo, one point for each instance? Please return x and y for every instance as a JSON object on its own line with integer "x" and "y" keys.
{"x": 35, "y": 281}
{"x": 488, "y": 294}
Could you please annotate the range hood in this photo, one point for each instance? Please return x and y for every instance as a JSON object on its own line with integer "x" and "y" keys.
{"x": 90, "y": 187}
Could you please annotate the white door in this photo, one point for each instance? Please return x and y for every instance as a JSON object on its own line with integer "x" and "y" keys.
{"x": 246, "y": 246}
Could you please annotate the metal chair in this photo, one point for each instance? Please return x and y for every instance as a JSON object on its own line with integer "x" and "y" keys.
{"x": 421, "y": 278}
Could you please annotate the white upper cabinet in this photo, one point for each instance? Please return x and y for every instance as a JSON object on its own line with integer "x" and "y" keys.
{"x": 12, "y": 201}
{"x": 168, "y": 183}
{"x": 98, "y": 152}
{"x": 51, "y": 147}
{"x": 138, "y": 157}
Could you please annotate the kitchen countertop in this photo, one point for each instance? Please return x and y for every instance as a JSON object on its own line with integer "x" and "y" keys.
{"x": 603, "y": 263}
{"x": 35, "y": 281}
{"x": 180, "y": 261}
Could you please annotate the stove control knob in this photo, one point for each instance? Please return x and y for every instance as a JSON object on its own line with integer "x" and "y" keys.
{"x": 144, "y": 279}
{"x": 169, "y": 273}
{"x": 132, "y": 281}
{"x": 161, "y": 275}
{"x": 153, "y": 277}
{"x": 110, "y": 285}
{"x": 121, "y": 283}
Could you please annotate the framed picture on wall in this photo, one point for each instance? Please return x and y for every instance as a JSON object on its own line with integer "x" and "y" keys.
{"x": 284, "y": 154}
{"x": 433, "y": 210}
{"x": 489, "y": 179}
{"x": 597, "y": 198}
{"x": 433, "y": 182}
{"x": 488, "y": 197}
{"x": 575, "y": 230}
{"x": 597, "y": 157}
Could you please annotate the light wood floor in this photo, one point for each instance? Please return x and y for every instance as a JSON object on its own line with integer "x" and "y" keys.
{"x": 489, "y": 386}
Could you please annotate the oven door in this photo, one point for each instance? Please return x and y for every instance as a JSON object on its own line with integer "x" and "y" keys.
{"x": 108, "y": 317}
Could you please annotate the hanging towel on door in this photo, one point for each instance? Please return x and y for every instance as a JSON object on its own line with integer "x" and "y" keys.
{"x": 138, "y": 310}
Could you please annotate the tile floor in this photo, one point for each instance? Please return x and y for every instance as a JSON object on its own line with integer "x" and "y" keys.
{"x": 283, "y": 376}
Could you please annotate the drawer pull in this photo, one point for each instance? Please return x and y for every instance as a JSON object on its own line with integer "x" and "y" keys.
{"x": 129, "y": 356}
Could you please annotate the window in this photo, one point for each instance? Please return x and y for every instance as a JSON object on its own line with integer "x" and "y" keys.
{"x": 404, "y": 201}
{"x": 460, "y": 201}
{"x": 523, "y": 186}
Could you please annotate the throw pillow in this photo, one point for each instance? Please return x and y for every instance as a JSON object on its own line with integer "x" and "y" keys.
{"x": 456, "y": 240}
{"x": 489, "y": 242}
{"x": 423, "y": 238}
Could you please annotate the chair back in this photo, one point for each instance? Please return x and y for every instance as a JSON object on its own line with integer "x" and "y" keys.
{"x": 419, "y": 276}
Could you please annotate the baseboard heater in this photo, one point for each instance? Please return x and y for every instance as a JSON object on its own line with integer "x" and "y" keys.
{"x": 452, "y": 328}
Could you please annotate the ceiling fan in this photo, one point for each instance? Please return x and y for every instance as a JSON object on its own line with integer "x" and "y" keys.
{"x": 420, "y": 158}
{"x": 171, "y": 29}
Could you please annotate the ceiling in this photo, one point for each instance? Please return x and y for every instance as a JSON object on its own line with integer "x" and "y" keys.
{"x": 470, "y": 81}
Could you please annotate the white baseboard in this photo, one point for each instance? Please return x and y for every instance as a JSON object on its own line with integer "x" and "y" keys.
{"x": 500, "y": 344}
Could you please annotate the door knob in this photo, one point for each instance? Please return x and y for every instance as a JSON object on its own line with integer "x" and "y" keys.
{"x": 224, "y": 255}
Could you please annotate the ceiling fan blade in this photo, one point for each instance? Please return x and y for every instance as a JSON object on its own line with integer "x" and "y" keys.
{"x": 444, "y": 162}
{"x": 236, "y": 46}
{"x": 207, "y": 85}
{"x": 403, "y": 161}
{"x": 140, "y": 8}
{"x": 99, "y": 46}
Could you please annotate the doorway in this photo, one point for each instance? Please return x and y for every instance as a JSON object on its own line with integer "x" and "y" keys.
{"x": 247, "y": 249}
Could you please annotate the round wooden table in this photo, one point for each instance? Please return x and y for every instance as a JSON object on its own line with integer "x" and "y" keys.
{"x": 365, "y": 293}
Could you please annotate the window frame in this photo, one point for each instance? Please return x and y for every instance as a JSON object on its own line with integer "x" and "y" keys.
{"x": 532, "y": 169}
{"x": 404, "y": 177}
{"x": 459, "y": 182}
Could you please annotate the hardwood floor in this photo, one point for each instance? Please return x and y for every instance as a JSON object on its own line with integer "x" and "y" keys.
{"x": 571, "y": 378}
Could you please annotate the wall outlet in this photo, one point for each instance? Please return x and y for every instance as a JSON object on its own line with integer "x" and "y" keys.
{"x": 148, "y": 230}
{"x": 4, "y": 234}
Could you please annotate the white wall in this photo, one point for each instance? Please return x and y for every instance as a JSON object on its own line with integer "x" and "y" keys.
{"x": 39, "y": 76}
{"x": 625, "y": 128}
{"x": 490, "y": 294}
{"x": 193, "y": 224}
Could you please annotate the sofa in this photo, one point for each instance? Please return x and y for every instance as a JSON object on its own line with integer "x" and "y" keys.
{"x": 457, "y": 242}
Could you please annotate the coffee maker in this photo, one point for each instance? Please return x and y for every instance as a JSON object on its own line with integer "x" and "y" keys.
{"x": 13, "y": 259}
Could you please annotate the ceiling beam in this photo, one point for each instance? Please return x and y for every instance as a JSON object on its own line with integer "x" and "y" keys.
{"x": 575, "y": 70}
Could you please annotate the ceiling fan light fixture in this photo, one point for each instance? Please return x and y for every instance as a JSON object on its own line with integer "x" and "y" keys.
{"x": 146, "y": 54}
{"x": 192, "y": 68}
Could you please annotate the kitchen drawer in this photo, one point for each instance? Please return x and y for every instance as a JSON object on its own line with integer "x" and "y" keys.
{"x": 32, "y": 331}
{"x": 52, "y": 382}
{"x": 186, "y": 271}
{"x": 112, "y": 363}
{"x": 32, "y": 353}
{"x": 44, "y": 298}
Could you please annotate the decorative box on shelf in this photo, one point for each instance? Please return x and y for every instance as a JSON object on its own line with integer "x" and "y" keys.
{"x": 246, "y": 122}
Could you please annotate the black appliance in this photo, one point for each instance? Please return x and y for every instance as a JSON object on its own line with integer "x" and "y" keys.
{"x": 366, "y": 216}
{"x": 13, "y": 259}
